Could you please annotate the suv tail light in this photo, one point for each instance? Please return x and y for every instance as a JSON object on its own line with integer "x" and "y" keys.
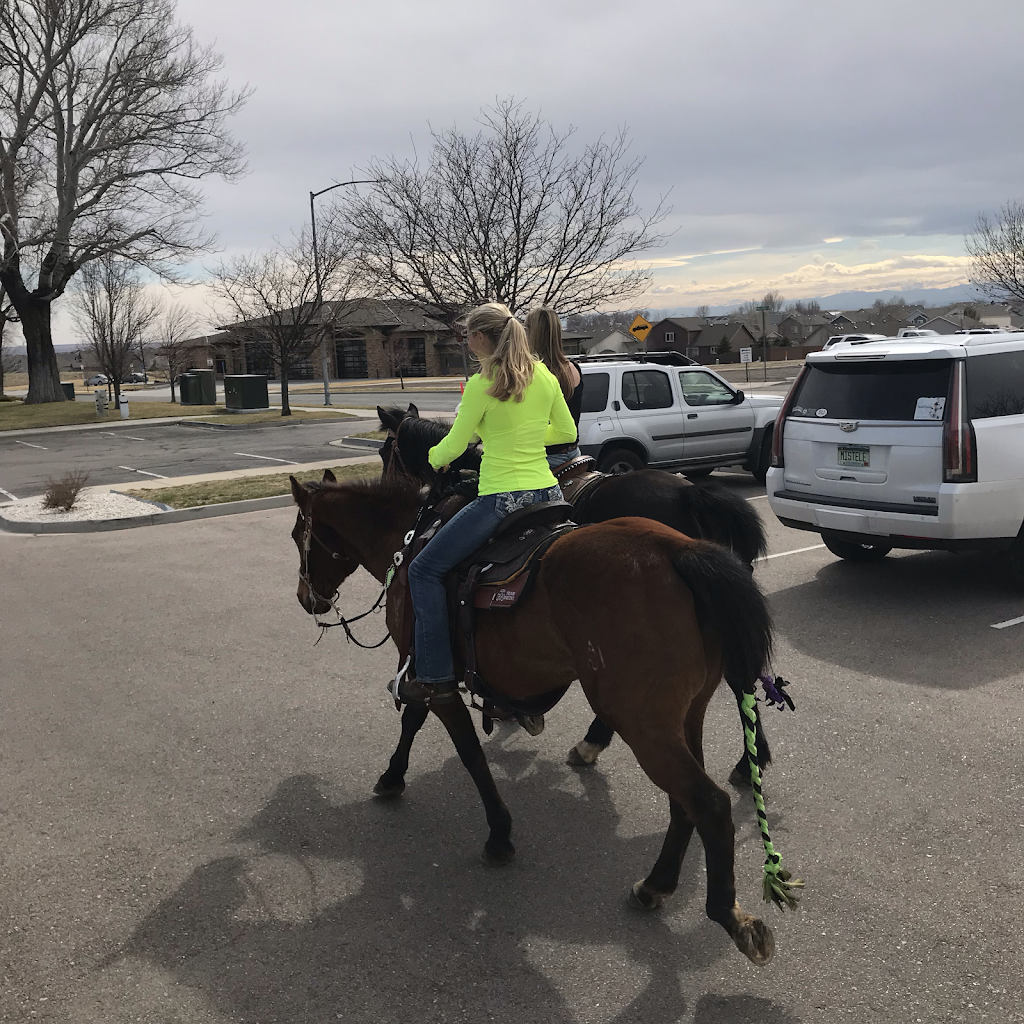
{"x": 959, "y": 445}
{"x": 780, "y": 423}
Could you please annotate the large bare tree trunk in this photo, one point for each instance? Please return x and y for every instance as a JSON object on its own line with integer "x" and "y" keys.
{"x": 43, "y": 372}
{"x": 286, "y": 409}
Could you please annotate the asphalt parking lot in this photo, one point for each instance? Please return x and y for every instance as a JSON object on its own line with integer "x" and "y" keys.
{"x": 190, "y": 836}
{"x": 167, "y": 450}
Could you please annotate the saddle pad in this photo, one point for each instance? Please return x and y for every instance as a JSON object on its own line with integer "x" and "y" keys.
{"x": 500, "y": 595}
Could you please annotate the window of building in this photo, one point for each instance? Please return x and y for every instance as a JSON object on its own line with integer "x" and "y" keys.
{"x": 259, "y": 358}
{"x": 645, "y": 389}
{"x": 416, "y": 361}
{"x": 350, "y": 354}
{"x": 670, "y": 336}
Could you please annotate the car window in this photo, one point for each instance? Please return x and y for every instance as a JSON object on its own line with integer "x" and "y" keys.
{"x": 908, "y": 390}
{"x": 995, "y": 385}
{"x": 701, "y": 388}
{"x": 595, "y": 392}
{"x": 646, "y": 389}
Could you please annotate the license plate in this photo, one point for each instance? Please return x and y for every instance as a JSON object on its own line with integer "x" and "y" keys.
{"x": 854, "y": 456}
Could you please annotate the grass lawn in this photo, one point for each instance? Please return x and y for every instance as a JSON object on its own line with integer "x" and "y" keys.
{"x": 215, "y": 492}
{"x": 17, "y": 415}
{"x": 377, "y": 435}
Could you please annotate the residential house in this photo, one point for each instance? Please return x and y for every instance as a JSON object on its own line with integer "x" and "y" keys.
{"x": 796, "y": 328}
{"x": 613, "y": 343}
{"x": 707, "y": 343}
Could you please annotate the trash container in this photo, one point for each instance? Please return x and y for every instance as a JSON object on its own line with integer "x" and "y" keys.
{"x": 244, "y": 391}
{"x": 124, "y": 406}
{"x": 101, "y": 403}
{"x": 188, "y": 389}
{"x": 69, "y": 391}
{"x": 207, "y": 383}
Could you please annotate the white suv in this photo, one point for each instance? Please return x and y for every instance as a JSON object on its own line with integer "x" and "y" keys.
{"x": 909, "y": 444}
{"x": 662, "y": 410}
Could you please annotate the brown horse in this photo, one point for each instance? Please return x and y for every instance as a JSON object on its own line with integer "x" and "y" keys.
{"x": 646, "y": 619}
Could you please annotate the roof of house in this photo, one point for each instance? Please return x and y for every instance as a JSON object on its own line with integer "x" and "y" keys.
{"x": 353, "y": 314}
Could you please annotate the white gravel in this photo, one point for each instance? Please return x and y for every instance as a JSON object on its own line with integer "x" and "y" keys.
{"x": 103, "y": 505}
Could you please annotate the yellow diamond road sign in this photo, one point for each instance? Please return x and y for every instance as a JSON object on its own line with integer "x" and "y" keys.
{"x": 640, "y": 328}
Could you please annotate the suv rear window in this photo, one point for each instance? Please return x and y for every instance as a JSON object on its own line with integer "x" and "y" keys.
{"x": 646, "y": 389}
{"x": 595, "y": 392}
{"x": 871, "y": 391}
{"x": 995, "y": 385}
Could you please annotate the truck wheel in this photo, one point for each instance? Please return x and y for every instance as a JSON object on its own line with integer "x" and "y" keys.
{"x": 853, "y": 551}
{"x": 764, "y": 459}
{"x": 620, "y": 460}
{"x": 1015, "y": 561}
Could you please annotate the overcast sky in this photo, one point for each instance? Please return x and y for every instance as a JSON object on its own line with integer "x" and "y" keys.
{"x": 812, "y": 147}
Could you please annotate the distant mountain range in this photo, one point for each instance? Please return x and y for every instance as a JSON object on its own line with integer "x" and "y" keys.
{"x": 929, "y": 297}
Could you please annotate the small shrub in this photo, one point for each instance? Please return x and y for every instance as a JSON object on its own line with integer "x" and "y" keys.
{"x": 63, "y": 493}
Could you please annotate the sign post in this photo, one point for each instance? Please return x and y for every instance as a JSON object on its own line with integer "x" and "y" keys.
{"x": 746, "y": 358}
{"x": 764, "y": 311}
{"x": 639, "y": 329}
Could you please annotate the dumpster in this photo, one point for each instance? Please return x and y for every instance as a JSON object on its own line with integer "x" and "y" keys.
{"x": 188, "y": 389}
{"x": 69, "y": 391}
{"x": 244, "y": 391}
{"x": 207, "y": 386}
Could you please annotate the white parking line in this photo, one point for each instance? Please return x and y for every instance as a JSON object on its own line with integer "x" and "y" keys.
{"x": 144, "y": 472}
{"x": 795, "y": 551}
{"x": 111, "y": 433}
{"x": 1009, "y": 622}
{"x": 268, "y": 458}
{"x": 13, "y": 497}
{"x": 757, "y": 497}
{"x": 27, "y": 445}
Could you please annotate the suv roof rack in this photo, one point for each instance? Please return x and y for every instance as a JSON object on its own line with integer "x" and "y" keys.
{"x": 659, "y": 358}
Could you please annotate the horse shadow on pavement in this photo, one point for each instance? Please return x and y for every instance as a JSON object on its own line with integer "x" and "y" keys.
{"x": 913, "y": 617}
{"x": 377, "y": 912}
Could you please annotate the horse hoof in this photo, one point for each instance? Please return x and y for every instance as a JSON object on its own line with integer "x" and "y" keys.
{"x": 583, "y": 755}
{"x": 498, "y": 856}
{"x": 645, "y": 899}
{"x": 533, "y": 724}
{"x": 739, "y": 780}
{"x": 754, "y": 939}
{"x": 388, "y": 790}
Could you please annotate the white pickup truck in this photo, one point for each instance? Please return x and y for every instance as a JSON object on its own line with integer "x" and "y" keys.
{"x": 652, "y": 411}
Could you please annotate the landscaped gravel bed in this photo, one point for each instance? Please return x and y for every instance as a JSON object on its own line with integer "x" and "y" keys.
{"x": 103, "y": 505}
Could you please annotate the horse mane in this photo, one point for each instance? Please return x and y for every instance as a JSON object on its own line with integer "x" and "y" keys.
{"x": 419, "y": 435}
{"x": 389, "y": 497}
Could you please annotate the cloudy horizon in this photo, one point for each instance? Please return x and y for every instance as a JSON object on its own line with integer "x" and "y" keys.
{"x": 805, "y": 147}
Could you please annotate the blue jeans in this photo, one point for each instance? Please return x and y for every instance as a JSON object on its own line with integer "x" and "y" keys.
{"x": 464, "y": 533}
{"x": 556, "y": 459}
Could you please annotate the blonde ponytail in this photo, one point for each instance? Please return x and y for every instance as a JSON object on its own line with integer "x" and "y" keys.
{"x": 510, "y": 365}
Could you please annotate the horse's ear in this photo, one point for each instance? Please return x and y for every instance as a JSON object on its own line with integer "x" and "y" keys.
{"x": 387, "y": 420}
{"x": 329, "y": 477}
{"x": 413, "y": 412}
{"x": 299, "y": 493}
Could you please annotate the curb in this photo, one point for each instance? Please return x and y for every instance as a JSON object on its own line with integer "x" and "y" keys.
{"x": 358, "y": 442}
{"x": 182, "y": 515}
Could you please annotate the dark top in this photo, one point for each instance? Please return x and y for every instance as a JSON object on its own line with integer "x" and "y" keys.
{"x": 575, "y": 403}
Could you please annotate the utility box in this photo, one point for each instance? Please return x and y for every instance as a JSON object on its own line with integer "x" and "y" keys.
{"x": 207, "y": 381}
{"x": 69, "y": 391}
{"x": 245, "y": 391}
{"x": 188, "y": 389}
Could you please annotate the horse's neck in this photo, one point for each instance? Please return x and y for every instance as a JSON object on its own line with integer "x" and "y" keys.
{"x": 375, "y": 534}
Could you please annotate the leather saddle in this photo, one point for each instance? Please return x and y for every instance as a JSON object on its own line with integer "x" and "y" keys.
{"x": 577, "y": 478}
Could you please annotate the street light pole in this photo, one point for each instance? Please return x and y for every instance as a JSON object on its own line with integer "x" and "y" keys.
{"x": 316, "y": 273}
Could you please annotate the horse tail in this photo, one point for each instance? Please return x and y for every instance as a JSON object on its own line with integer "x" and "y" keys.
{"x": 726, "y": 517}
{"x": 730, "y": 604}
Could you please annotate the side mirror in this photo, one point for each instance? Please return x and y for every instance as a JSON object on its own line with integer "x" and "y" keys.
{"x": 738, "y": 397}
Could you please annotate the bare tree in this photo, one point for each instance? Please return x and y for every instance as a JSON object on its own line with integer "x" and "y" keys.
{"x": 996, "y": 247}
{"x": 110, "y": 112}
{"x": 111, "y": 309}
{"x": 508, "y": 215}
{"x": 8, "y": 361}
{"x": 274, "y": 299}
{"x": 703, "y": 312}
{"x": 173, "y": 335}
{"x": 805, "y": 306}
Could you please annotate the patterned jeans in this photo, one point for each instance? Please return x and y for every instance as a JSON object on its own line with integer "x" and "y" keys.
{"x": 463, "y": 534}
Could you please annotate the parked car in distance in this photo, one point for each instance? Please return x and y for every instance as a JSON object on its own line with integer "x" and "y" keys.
{"x": 663, "y": 410}
{"x": 839, "y": 339}
{"x": 95, "y": 379}
{"x": 906, "y": 444}
{"x": 916, "y": 332}
{"x": 137, "y": 378}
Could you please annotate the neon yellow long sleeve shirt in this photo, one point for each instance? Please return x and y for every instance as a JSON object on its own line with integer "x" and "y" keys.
{"x": 514, "y": 433}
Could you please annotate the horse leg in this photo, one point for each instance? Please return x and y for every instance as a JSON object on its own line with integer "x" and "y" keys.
{"x": 392, "y": 782}
{"x": 586, "y": 752}
{"x": 456, "y": 718}
{"x": 740, "y": 775}
{"x": 650, "y": 892}
{"x": 672, "y": 767}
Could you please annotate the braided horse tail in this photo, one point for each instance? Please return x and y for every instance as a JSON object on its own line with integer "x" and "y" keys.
{"x": 729, "y": 603}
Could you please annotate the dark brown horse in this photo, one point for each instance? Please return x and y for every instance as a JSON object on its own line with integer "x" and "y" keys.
{"x": 707, "y": 512}
{"x": 604, "y": 602}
